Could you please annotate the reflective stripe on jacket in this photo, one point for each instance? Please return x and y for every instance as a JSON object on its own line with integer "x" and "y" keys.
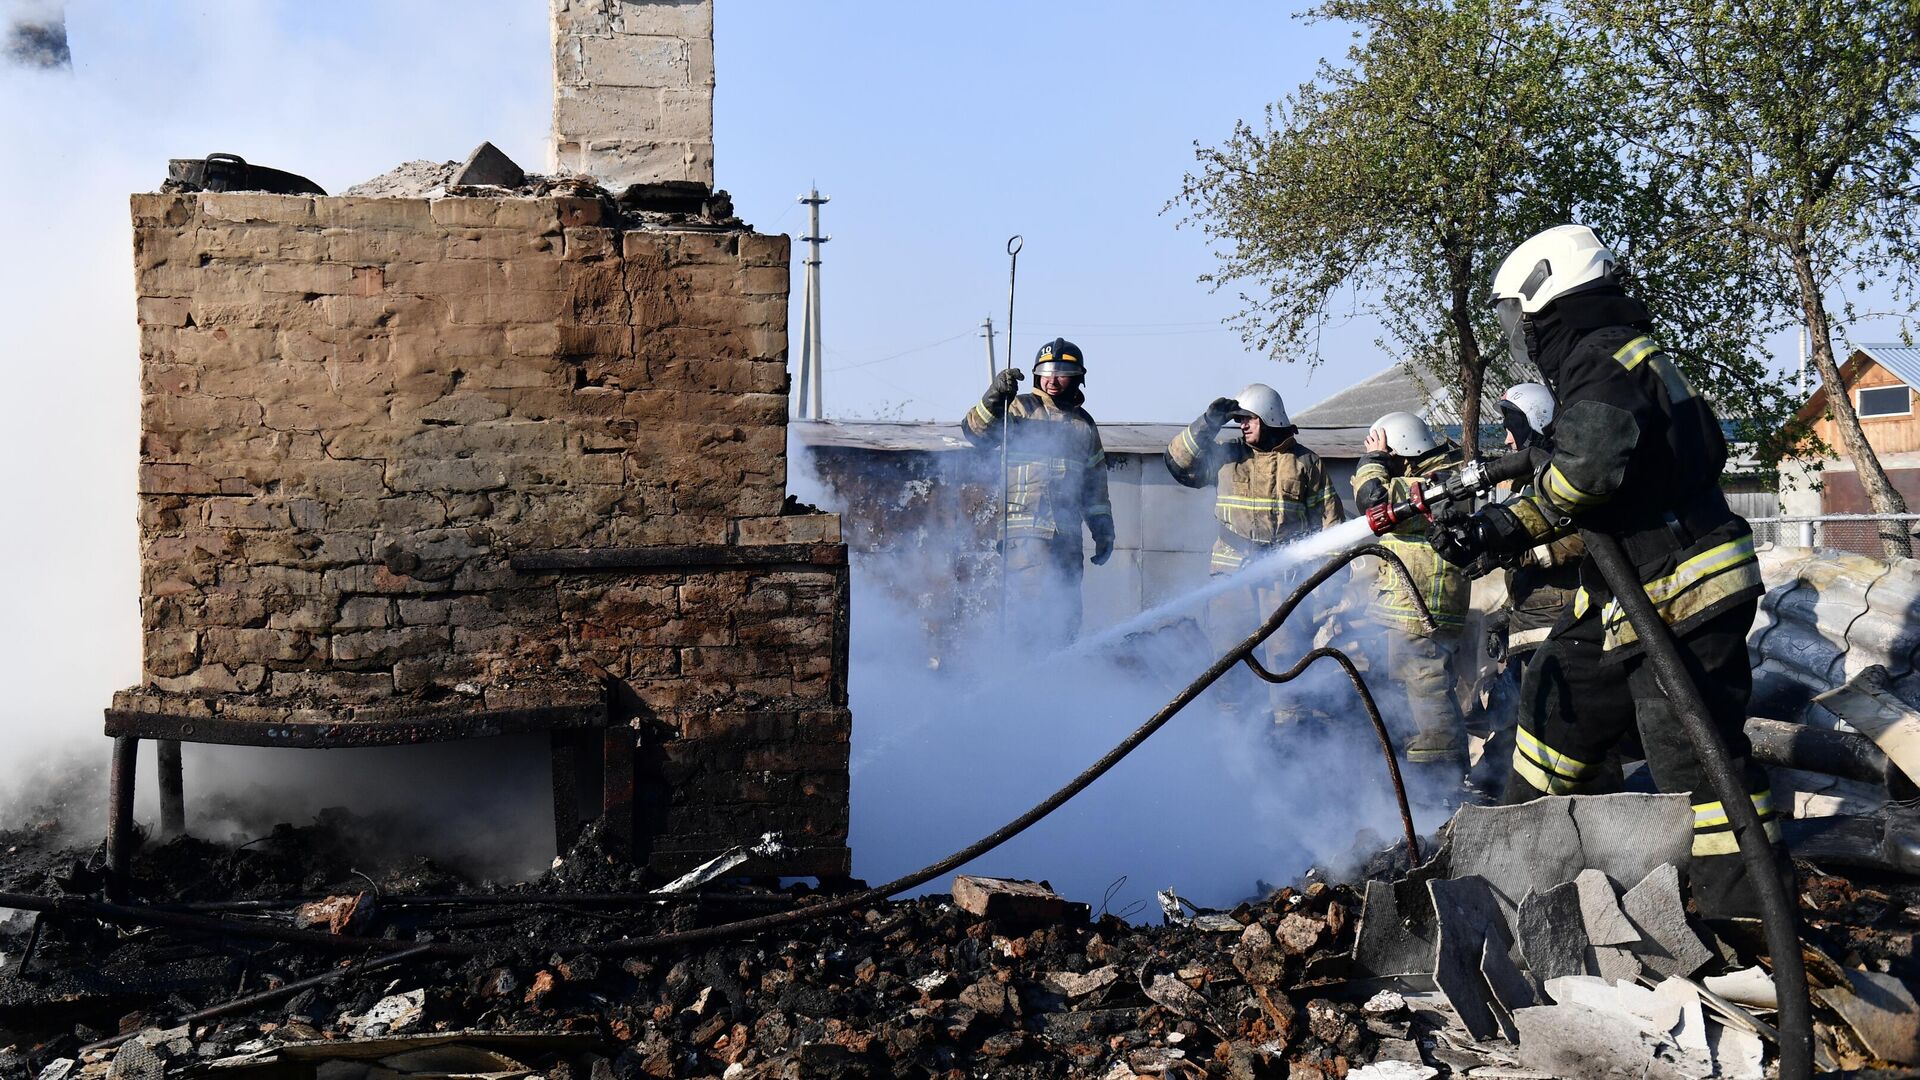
{"x": 1056, "y": 467}
{"x": 1443, "y": 585}
{"x": 1540, "y": 588}
{"x": 1263, "y": 498}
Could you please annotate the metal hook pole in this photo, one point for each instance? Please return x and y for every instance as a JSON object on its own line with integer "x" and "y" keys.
{"x": 1014, "y": 244}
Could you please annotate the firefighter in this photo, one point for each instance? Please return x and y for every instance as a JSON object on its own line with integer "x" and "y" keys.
{"x": 1268, "y": 490}
{"x": 1540, "y": 584}
{"x": 1638, "y": 454}
{"x": 1401, "y": 451}
{"x": 1056, "y": 481}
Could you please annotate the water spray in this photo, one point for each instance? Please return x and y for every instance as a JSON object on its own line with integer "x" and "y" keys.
{"x": 1438, "y": 499}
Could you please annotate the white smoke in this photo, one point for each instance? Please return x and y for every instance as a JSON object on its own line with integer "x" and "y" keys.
{"x": 1213, "y": 805}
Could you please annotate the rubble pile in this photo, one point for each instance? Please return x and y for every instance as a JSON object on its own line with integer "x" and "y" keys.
{"x": 920, "y": 987}
{"x": 999, "y": 978}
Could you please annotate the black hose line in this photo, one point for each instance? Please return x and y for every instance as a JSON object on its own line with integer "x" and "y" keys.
{"x": 133, "y": 915}
{"x": 286, "y": 990}
{"x": 1379, "y": 729}
{"x": 1776, "y": 907}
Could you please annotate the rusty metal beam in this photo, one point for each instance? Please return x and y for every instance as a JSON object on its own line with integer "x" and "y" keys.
{"x": 688, "y": 558}
{"x": 398, "y": 731}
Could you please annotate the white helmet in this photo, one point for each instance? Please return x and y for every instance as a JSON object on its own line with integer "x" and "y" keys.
{"x": 1262, "y": 401}
{"x": 1532, "y": 401}
{"x": 1542, "y": 269}
{"x": 1407, "y": 435}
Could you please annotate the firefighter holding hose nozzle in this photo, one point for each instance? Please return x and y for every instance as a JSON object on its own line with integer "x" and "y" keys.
{"x": 1403, "y": 455}
{"x": 1637, "y": 454}
{"x": 1541, "y": 581}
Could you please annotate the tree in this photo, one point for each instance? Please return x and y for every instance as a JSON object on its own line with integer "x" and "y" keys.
{"x": 1783, "y": 135}
{"x": 1453, "y": 131}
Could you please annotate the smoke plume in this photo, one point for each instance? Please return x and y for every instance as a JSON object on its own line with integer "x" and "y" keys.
{"x": 956, "y": 732}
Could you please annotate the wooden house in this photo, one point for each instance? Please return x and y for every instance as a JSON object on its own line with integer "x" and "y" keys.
{"x": 1880, "y": 379}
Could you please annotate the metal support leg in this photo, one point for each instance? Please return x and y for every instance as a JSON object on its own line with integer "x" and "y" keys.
{"x": 126, "y": 753}
{"x": 173, "y": 801}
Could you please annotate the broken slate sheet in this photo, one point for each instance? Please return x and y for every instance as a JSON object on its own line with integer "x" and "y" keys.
{"x": 1600, "y": 911}
{"x": 1471, "y": 929}
{"x": 1667, "y": 944}
{"x": 1553, "y": 941}
{"x": 1531, "y": 847}
{"x": 1540, "y": 844}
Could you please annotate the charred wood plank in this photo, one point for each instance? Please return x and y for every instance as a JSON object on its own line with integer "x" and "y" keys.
{"x": 616, "y": 789}
{"x": 1835, "y": 753}
{"x": 392, "y": 731}
{"x": 173, "y": 800}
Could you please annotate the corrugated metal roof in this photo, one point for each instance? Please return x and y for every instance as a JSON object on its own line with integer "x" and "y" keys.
{"x": 1359, "y": 405}
{"x": 1902, "y": 360}
{"x": 1118, "y": 438}
{"x": 1397, "y": 389}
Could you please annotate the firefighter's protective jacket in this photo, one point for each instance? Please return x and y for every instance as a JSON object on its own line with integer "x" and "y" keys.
{"x": 1539, "y": 589}
{"x": 1262, "y": 497}
{"x": 1056, "y": 467}
{"x": 1638, "y": 454}
{"x": 1443, "y": 585}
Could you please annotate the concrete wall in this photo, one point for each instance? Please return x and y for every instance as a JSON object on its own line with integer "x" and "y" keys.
{"x": 356, "y": 410}
{"x": 633, "y": 90}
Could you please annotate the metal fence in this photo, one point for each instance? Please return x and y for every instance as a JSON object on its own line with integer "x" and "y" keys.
{"x": 1862, "y": 534}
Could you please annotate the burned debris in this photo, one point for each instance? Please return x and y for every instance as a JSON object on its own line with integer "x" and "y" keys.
{"x": 553, "y": 978}
{"x": 918, "y": 987}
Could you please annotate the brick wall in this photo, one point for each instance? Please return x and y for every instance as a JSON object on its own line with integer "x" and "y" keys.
{"x": 355, "y": 411}
{"x": 633, "y": 90}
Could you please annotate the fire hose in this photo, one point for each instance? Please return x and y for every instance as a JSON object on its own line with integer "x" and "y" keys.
{"x": 1777, "y": 916}
{"x": 125, "y": 914}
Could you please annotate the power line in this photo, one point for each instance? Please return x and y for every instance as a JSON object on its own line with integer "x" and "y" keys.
{"x": 905, "y": 352}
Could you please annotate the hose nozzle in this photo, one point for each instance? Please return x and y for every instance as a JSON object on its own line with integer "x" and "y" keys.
{"x": 1475, "y": 479}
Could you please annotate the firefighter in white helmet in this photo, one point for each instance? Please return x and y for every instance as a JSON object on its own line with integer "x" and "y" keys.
{"x": 1056, "y": 484}
{"x": 1540, "y": 585}
{"x": 1268, "y": 490}
{"x": 1638, "y": 454}
{"x": 1401, "y": 451}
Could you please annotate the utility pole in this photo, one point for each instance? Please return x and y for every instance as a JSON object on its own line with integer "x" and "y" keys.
{"x": 810, "y": 358}
{"x": 987, "y": 332}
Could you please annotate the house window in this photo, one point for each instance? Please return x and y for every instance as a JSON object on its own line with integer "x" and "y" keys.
{"x": 1883, "y": 401}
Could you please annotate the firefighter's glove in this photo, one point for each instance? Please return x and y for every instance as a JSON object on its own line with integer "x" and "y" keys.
{"x": 1005, "y": 385}
{"x": 1492, "y": 531}
{"x": 1220, "y": 412}
{"x": 1460, "y": 541}
{"x": 1497, "y": 637}
{"x": 1102, "y": 529}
